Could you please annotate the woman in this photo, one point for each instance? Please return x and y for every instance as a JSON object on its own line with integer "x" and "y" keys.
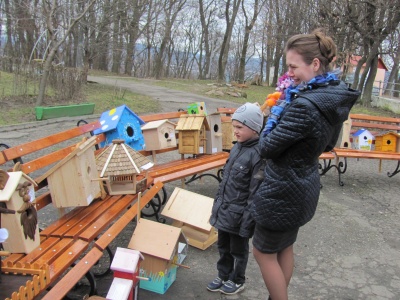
{"x": 299, "y": 129}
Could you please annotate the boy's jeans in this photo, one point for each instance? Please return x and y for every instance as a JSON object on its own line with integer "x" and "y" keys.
{"x": 234, "y": 254}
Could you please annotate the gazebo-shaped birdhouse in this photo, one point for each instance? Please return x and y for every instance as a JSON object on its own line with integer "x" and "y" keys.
{"x": 17, "y": 192}
{"x": 192, "y": 134}
{"x": 122, "y": 123}
{"x": 214, "y": 135}
{"x": 363, "y": 140}
{"x": 125, "y": 264}
{"x": 71, "y": 179}
{"x": 387, "y": 142}
{"x": 159, "y": 135}
{"x": 163, "y": 247}
{"x": 191, "y": 212}
{"x": 120, "y": 167}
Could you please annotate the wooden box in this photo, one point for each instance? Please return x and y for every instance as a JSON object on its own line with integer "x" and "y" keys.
{"x": 17, "y": 242}
{"x": 214, "y": 135}
{"x": 71, "y": 180}
{"x": 159, "y": 135}
{"x": 163, "y": 248}
{"x": 191, "y": 212}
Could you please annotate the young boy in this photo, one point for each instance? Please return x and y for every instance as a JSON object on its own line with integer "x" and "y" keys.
{"x": 230, "y": 212}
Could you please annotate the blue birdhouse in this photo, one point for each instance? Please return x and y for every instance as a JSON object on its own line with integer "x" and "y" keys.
{"x": 122, "y": 123}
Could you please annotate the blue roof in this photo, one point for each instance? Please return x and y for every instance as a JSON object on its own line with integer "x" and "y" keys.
{"x": 110, "y": 119}
{"x": 360, "y": 131}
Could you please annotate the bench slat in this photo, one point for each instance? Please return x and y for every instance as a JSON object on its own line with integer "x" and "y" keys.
{"x": 162, "y": 116}
{"x": 53, "y": 252}
{"x": 108, "y": 236}
{"x": 74, "y": 275}
{"x": 375, "y": 125}
{"x": 39, "y": 251}
{"x": 30, "y": 147}
{"x": 110, "y": 213}
{"x": 374, "y": 118}
{"x": 66, "y": 259}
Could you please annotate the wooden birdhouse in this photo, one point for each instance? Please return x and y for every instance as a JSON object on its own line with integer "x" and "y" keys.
{"x": 125, "y": 264}
{"x": 163, "y": 247}
{"x": 214, "y": 135}
{"x": 18, "y": 194}
{"x": 71, "y": 180}
{"x": 363, "y": 140}
{"x": 228, "y": 137}
{"x": 191, "y": 212}
{"x": 122, "y": 123}
{"x": 192, "y": 134}
{"x": 197, "y": 108}
{"x": 159, "y": 135}
{"x": 346, "y": 129}
{"x": 121, "y": 167}
{"x": 387, "y": 142}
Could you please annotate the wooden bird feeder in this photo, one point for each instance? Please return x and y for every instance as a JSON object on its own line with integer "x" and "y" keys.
{"x": 387, "y": 142}
{"x": 120, "y": 167}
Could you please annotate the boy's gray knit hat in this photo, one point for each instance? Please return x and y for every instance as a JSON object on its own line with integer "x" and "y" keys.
{"x": 250, "y": 115}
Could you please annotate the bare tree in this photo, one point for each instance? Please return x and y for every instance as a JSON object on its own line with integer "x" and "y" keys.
{"x": 394, "y": 78}
{"x": 57, "y": 37}
{"x": 231, "y": 11}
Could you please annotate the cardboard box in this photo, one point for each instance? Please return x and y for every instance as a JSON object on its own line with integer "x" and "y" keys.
{"x": 191, "y": 212}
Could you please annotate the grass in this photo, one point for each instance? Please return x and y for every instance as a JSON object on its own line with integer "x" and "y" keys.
{"x": 18, "y": 96}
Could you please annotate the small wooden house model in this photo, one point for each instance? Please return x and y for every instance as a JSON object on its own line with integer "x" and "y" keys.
{"x": 18, "y": 195}
{"x": 163, "y": 247}
{"x": 71, "y": 179}
{"x": 346, "y": 129}
{"x": 192, "y": 134}
{"x": 159, "y": 135}
{"x": 120, "y": 167}
{"x": 191, "y": 212}
{"x": 197, "y": 108}
{"x": 388, "y": 142}
{"x": 125, "y": 264}
{"x": 214, "y": 135}
{"x": 363, "y": 140}
{"x": 122, "y": 123}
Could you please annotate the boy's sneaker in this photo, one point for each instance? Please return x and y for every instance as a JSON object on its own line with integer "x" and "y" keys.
{"x": 215, "y": 285}
{"x": 230, "y": 288}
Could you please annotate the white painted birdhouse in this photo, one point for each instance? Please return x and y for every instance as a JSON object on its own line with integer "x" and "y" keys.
{"x": 18, "y": 194}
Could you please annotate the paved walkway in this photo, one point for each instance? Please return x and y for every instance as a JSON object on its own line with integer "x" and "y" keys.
{"x": 350, "y": 250}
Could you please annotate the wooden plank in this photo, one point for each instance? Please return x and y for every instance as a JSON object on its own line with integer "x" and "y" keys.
{"x": 39, "y": 251}
{"x": 374, "y": 118}
{"x": 226, "y": 110}
{"x": 84, "y": 217}
{"x": 106, "y": 218}
{"x": 66, "y": 259}
{"x": 11, "y": 259}
{"x": 30, "y": 147}
{"x": 42, "y": 201}
{"x": 62, "y": 287}
{"x": 55, "y": 251}
{"x": 89, "y": 217}
{"x": 162, "y": 116}
{"x": 327, "y": 155}
{"x": 375, "y": 125}
{"x": 349, "y": 153}
{"x": 127, "y": 217}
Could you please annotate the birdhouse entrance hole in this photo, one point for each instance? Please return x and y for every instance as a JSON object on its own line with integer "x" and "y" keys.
{"x": 216, "y": 128}
{"x": 388, "y": 142}
{"x": 130, "y": 131}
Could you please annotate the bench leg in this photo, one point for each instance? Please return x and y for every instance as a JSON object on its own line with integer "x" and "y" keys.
{"x": 156, "y": 204}
{"x": 395, "y": 171}
{"x": 339, "y": 166}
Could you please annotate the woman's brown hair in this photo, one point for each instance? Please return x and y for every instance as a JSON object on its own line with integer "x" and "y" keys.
{"x": 314, "y": 45}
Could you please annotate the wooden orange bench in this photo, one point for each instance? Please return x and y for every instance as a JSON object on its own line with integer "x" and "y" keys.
{"x": 75, "y": 241}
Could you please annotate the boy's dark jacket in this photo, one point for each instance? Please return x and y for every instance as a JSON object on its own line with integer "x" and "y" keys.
{"x": 231, "y": 209}
{"x": 309, "y": 125}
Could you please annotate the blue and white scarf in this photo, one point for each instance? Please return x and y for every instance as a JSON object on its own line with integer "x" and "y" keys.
{"x": 276, "y": 111}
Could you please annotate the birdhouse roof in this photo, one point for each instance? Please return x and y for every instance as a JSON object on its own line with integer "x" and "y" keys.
{"x": 361, "y": 131}
{"x": 110, "y": 119}
{"x": 126, "y": 260}
{"x": 120, "y": 159}
{"x": 192, "y": 122}
{"x": 12, "y": 182}
{"x": 388, "y": 133}
{"x": 164, "y": 246}
{"x": 79, "y": 149}
{"x": 156, "y": 124}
